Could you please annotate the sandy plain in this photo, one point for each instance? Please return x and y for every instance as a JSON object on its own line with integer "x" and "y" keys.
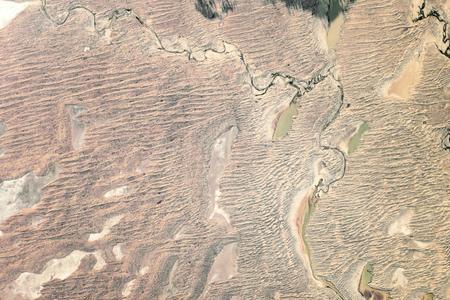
{"x": 224, "y": 149}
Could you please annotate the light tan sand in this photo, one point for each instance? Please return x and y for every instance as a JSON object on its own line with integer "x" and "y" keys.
{"x": 24, "y": 192}
{"x": 9, "y": 10}
{"x": 128, "y": 288}
{"x": 117, "y": 251}
{"x": 117, "y": 192}
{"x": 399, "y": 279}
{"x": 401, "y": 225}
{"x": 225, "y": 265}
{"x": 220, "y": 155}
{"x": 106, "y": 228}
{"x": 300, "y": 214}
{"x": 402, "y": 86}
{"x": 29, "y": 285}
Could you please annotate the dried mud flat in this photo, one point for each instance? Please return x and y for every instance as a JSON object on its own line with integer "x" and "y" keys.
{"x": 224, "y": 150}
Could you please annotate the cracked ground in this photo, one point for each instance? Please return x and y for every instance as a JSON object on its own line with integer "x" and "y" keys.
{"x": 217, "y": 149}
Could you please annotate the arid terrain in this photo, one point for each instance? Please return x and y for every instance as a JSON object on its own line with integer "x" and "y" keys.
{"x": 225, "y": 149}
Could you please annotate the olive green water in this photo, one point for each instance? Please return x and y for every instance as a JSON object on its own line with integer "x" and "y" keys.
{"x": 285, "y": 121}
{"x": 366, "y": 290}
{"x": 355, "y": 140}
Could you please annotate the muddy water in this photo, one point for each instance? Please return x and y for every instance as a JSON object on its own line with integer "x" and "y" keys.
{"x": 334, "y": 31}
{"x": 284, "y": 122}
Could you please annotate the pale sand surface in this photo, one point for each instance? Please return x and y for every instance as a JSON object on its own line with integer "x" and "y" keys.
{"x": 265, "y": 152}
